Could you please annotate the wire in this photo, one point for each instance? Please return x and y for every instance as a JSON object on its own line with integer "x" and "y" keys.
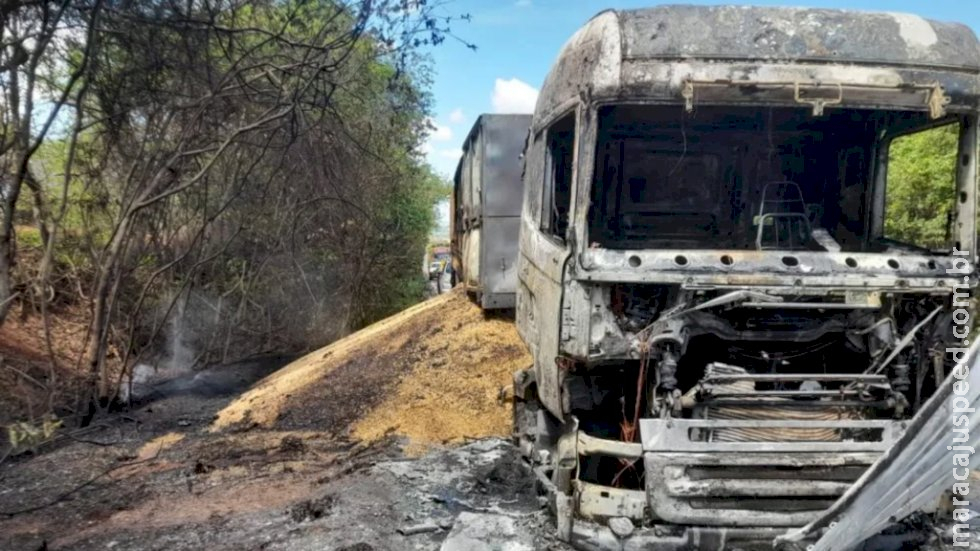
{"x": 775, "y": 356}
{"x": 684, "y": 150}
{"x": 905, "y": 341}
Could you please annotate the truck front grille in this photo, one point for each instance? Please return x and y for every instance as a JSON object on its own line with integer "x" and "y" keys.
{"x": 692, "y": 481}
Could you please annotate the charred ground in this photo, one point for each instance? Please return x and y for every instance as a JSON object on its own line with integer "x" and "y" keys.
{"x": 312, "y": 456}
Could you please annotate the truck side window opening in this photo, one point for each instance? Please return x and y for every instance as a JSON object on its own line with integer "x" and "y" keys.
{"x": 765, "y": 178}
{"x": 920, "y": 193}
{"x": 558, "y": 177}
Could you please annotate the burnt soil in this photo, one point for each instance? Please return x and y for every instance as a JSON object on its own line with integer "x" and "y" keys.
{"x": 348, "y": 392}
{"x": 310, "y": 457}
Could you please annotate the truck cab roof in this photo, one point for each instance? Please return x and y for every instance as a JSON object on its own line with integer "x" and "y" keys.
{"x": 651, "y": 52}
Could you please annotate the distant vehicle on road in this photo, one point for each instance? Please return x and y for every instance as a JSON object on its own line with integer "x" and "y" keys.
{"x": 436, "y": 269}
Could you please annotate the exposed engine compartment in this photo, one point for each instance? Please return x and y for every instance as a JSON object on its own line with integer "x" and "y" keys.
{"x": 738, "y": 409}
{"x": 759, "y": 356}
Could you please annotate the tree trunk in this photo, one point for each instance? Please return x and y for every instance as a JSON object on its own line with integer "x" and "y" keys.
{"x": 98, "y": 340}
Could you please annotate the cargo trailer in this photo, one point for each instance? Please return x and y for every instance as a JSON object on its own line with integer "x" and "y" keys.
{"x": 486, "y": 209}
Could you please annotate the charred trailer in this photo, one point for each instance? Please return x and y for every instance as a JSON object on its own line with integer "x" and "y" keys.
{"x": 486, "y": 209}
{"x": 735, "y": 287}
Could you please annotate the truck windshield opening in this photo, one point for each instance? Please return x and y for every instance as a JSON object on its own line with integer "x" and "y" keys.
{"x": 769, "y": 178}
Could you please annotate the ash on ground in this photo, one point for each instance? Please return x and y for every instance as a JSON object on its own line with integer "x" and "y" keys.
{"x": 346, "y": 448}
{"x": 252, "y": 491}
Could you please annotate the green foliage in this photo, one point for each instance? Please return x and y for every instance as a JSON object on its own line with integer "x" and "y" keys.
{"x": 920, "y": 194}
{"x": 250, "y": 168}
{"x": 409, "y": 217}
{"x": 24, "y": 436}
{"x": 29, "y": 237}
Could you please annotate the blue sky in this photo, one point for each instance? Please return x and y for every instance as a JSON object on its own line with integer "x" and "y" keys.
{"x": 517, "y": 40}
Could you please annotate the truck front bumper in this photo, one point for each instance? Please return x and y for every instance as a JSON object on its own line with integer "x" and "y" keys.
{"x": 706, "y": 495}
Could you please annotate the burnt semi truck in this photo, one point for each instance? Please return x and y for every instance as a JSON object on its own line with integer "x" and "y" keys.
{"x": 486, "y": 205}
{"x": 729, "y": 317}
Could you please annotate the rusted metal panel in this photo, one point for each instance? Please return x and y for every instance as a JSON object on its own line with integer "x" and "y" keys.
{"x": 819, "y": 272}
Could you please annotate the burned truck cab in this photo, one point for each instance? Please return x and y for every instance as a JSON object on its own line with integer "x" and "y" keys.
{"x": 745, "y": 236}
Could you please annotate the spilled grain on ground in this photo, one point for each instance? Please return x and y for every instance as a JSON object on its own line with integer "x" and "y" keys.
{"x": 437, "y": 373}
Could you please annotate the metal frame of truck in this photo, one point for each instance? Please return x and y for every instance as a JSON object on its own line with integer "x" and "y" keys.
{"x": 608, "y": 322}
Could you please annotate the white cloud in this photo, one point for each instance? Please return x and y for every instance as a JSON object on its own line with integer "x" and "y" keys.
{"x": 439, "y": 132}
{"x": 457, "y": 116}
{"x": 454, "y": 154}
{"x": 513, "y": 96}
{"x": 444, "y": 161}
{"x": 439, "y": 154}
